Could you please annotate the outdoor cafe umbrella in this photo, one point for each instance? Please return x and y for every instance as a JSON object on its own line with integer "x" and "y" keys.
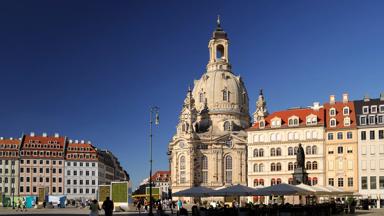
{"x": 281, "y": 190}
{"x": 314, "y": 189}
{"x": 198, "y": 191}
{"x": 234, "y": 190}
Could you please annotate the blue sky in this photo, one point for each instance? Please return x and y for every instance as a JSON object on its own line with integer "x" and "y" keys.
{"x": 91, "y": 69}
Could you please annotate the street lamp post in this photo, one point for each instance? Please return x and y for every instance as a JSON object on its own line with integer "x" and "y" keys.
{"x": 153, "y": 110}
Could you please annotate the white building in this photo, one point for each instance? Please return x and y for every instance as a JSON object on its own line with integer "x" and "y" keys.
{"x": 370, "y": 119}
{"x": 273, "y": 142}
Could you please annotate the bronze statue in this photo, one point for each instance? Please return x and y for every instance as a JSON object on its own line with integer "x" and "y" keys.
{"x": 300, "y": 157}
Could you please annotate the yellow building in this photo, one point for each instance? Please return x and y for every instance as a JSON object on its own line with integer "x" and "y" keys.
{"x": 341, "y": 144}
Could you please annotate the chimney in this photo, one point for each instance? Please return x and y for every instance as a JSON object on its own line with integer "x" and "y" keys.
{"x": 345, "y": 98}
{"x": 56, "y": 135}
{"x": 332, "y": 99}
{"x": 70, "y": 141}
{"x": 32, "y": 134}
{"x": 316, "y": 106}
{"x": 10, "y": 138}
{"x": 366, "y": 98}
{"x": 382, "y": 96}
{"x": 1, "y": 138}
{"x": 82, "y": 142}
{"x": 44, "y": 134}
{"x": 76, "y": 141}
{"x": 89, "y": 142}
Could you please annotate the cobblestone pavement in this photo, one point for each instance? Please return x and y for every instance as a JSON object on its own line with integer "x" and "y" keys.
{"x": 83, "y": 212}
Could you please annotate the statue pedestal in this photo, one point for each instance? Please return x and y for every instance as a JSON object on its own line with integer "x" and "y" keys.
{"x": 300, "y": 176}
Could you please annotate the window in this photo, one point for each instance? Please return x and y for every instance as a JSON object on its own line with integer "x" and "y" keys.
{"x": 381, "y": 182}
{"x": 363, "y": 120}
{"x": 314, "y": 150}
{"x": 332, "y": 112}
{"x": 255, "y": 167}
{"x": 349, "y": 150}
{"x": 261, "y": 125}
{"x": 381, "y": 134}
{"x": 273, "y": 167}
{"x": 371, "y": 119}
{"x": 201, "y": 97}
{"x": 340, "y": 135}
{"x": 330, "y": 136}
{"x": 349, "y": 135}
{"x": 278, "y": 151}
{"x": 278, "y": 166}
{"x": 290, "y": 166}
{"x": 255, "y": 183}
{"x": 255, "y": 153}
{"x": 350, "y": 182}
{"x": 374, "y": 109}
{"x": 228, "y": 169}
{"x": 332, "y": 122}
{"x": 331, "y": 182}
{"x": 290, "y": 151}
{"x": 314, "y": 165}
{"x": 227, "y": 126}
{"x": 261, "y": 152}
{"x": 293, "y": 121}
{"x": 363, "y": 135}
{"x": 347, "y": 121}
{"x": 371, "y": 135}
{"x": 278, "y": 181}
{"x": 340, "y": 149}
{"x": 226, "y": 95}
{"x": 261, "y": 167}
{"x": 346, "y": 111}
{"x": 273, "y": 152}
{"x": 308, "y": 165}
{"x": 340, "y": 182}
{"x": 308, "y": 150}
{"x": 273, "y": 181}
{"x": 365, "y": 109}
{"x": 372, "y": 180}
{"x": 204, "y": 172}
{"x": 380, "y": 119}
{"x": 182, "y": 169}
{"x": 364, "y": 183}
{"x": 314, "y": 181}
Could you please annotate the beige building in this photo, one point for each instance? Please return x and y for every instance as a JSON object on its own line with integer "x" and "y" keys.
{"x": 273, "y": 141}
{"x": 9, "y": 166}
{"x": 341, "y": 144}
{"x": 209, "y": 147}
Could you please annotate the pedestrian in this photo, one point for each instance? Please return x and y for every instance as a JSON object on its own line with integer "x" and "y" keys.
{"x": 108, "y": 207}
{"x": 94, "y": 207}
{"x": 24, "y": 205}
{"x": 179, "y": 204}
{"x": 19, "y": 205}
{"x": 139, "y": 206}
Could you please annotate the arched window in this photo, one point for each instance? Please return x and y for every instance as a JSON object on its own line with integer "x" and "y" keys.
{"x": 290, "y": 136}
{"x": 201, "y": 97}
{"x": 314, "y": 181}
{"x": 261, "y": 152}
{"x": 182, "y": 169}
{"x": 308, "y": 150}
{"x": 219, "y": 52}
{"x": 204, "y": 167}
{"x": 295, "y": 165}
{"x": 255, "y": 167}
{"x": 296, "y": 121}
{"x": 314, "y": 165}
{"x": 278, "y": 181}
{"x": 261, "y": 182}
{"x": 273, "y": 152}
{"x": 278, "y": 151}
{"x": 297, "y": 136}
{"x": 314, "y": 150}
{"x": 273, "y": 167}
{"x": 273, "y": 181}
{"x": 290, "y": 151}
{"x": 290, "y": 181}
{"x": 261, "y": 167}
{"x": 227, "y": 126}
{"x": 295, "y": 150}
{"x": 273, "y": 137}
{"x": 278, "y": 166}
{"x": 255, "y": 183}
{"x": 332, "y": 122}
{"x": 308, "y": 166}
{"x": 255, "y": 153}
{"x": 228, "y": 169}
{"x": 290, "y": 166}
{"x": 226, "y": 95}
{"x": 314, "y": 134}
{"x": 308, "y": 135}
{"x": 309, "y": 180}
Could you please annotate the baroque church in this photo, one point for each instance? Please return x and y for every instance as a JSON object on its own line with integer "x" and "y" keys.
{"x": 210, "y": 145}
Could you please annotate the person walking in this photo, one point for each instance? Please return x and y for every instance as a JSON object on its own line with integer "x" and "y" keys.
{"x": 139, "y": 206}
{"x": 94, "y": 207}
{"x": 19, "y": 203}
{"x": 108, "y": 207}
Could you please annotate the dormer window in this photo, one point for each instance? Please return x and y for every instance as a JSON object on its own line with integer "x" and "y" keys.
{"x": 262, "y": 124}
{"x": 347, "y": 121}
{"x": 227, "y": 126}
{"x": 374, "y": 109}
{"x": 365, "y": 110}
{"x": 346, "y": 111}
{"x": 311, "y": 120}
{"x": 293, "y": 121}
{"x": 332, "y": 112}
{"x": 332, "y": 122}
{"x": 276, "y": 122}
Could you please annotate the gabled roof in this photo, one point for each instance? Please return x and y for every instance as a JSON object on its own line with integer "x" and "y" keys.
{"x": 284, "y": 115}
{"x": 339, "y": 106}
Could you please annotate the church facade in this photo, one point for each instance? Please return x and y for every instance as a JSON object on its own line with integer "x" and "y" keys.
{"x": 210, "y": 145}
